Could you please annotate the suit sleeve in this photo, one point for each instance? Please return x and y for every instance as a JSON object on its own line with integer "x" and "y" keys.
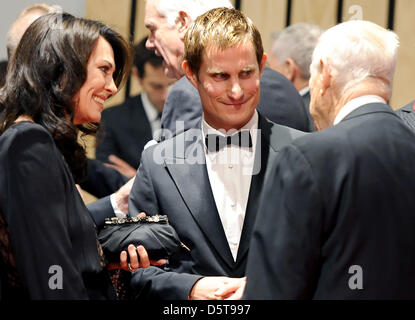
{"x": 100, "y": 210}
{"x": 38, "y": 219}
{"x": 182, "y": 104}
{"x": 154, "y": 283}
{"x": 102, "y": 181}
{"x": 284, "y": 255}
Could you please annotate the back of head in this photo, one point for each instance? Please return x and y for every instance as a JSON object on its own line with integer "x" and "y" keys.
{"x": 23, "y": 21}
{"x": 220, "y": 28}
{"x": 143, "y": 56}
{"x": 355, "y": 51}
{"x": 297, "y": 42}
{"x": 194, "y": 8}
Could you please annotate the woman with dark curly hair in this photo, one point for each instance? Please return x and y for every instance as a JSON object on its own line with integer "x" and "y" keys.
{"x": 58, "y": 80}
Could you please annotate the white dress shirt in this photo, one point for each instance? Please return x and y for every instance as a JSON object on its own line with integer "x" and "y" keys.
{"x": 357, "y": 103}
{"x": 152, "y": 114}
{"x": 304, "y": 91}
{"x": 230, "y": 175}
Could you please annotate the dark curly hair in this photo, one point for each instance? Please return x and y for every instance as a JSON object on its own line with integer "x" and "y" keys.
{"x": 45, "y": 72}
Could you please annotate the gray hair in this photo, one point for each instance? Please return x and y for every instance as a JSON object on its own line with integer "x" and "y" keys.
{"x": 355, "y": 51}
{"x": 23, "y": 21}
{"x": 297, "y": 42}
{"x": 170, "y": 8}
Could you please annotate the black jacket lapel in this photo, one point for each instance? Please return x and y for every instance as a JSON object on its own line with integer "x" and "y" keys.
{"x": 191, "y": 178}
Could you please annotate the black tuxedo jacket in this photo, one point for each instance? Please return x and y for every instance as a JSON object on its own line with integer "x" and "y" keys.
{"x": 173, "y": 180}
{"x": 280, "y": 102}
{"x": 337, "y": 218}
{"x": 124, "y": 133}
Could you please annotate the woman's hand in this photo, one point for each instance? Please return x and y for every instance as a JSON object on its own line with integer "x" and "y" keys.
{"x": 137, "y": 261}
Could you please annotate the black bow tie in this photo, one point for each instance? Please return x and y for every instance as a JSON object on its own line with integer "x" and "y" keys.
{"x": 216, "y": 142}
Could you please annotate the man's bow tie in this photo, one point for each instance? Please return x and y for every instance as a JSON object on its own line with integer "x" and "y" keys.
{"x": 216, "y": 142}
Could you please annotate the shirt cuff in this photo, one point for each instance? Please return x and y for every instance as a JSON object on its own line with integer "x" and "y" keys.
{"x": 117, "y": 211}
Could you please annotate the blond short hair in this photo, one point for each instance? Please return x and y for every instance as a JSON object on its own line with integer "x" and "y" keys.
{"x": 222, "y": 28}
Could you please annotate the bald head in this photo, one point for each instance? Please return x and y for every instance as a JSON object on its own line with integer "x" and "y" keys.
{"x": 23, "y": 21}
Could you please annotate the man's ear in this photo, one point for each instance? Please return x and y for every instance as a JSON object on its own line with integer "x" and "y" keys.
{"x": 325, "y": 76}
{"x": 190, "y": 75}
{"x": 291, "y": 69}
{"x": 183, "y": 22}
{"x": 263, "y": 63}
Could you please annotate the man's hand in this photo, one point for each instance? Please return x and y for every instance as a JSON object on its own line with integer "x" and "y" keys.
{"x": 234, "y": 290}
{"x": 121, "y": 166}
{"x": 121, "y": 196}
{"x": 217, "y": 288}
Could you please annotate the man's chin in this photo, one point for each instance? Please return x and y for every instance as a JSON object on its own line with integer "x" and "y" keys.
{"x": 171, "y": 73}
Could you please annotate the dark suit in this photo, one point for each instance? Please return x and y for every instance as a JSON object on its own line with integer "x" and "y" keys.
{"x": 339, "y": 198}
{"x": 279, "y": 102}
{"x": 306, "y": 103}
{"x": 125, "y": 131}
{"x": 102, "y": 181}
{"x": 182, "y": 191}
{"x": 407, "y": 114}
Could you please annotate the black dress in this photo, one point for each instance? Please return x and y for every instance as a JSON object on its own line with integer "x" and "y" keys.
{"x": 51, "y": 233}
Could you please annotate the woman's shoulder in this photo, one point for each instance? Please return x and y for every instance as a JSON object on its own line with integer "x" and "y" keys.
{"x": 24, "y": 134}
{"x": 25, "y": 128}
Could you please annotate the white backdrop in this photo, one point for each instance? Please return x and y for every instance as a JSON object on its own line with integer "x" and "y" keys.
{"x": 10, "y": 9}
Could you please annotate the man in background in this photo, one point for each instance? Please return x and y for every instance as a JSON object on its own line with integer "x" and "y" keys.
{"x": 127, "y": 128}
{"x": 23, "y": 21}
{"x": 291, "y": 54}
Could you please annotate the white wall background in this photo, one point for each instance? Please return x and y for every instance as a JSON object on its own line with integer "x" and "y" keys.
{"x": 10, "y": 9}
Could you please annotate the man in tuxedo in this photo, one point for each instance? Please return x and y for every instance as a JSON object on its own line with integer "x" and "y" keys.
{"x": 291, "y": 54}
{"x": 338, "y": 216}
{"x": 208, "y": 180}
{"x": 168, "y": 22}
{"x": 407, "y": 114}
{"x": 128, "y": 127}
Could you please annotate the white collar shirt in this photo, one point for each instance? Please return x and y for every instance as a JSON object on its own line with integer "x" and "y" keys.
{"x": 355, "y": 104}
{"x": 304, "y": 91}
{"x": 152, "y": 114}
{"x": 230, "y": 174}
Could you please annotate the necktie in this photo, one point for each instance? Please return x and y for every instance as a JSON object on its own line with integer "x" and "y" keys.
{"x": 216, "y": 142}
